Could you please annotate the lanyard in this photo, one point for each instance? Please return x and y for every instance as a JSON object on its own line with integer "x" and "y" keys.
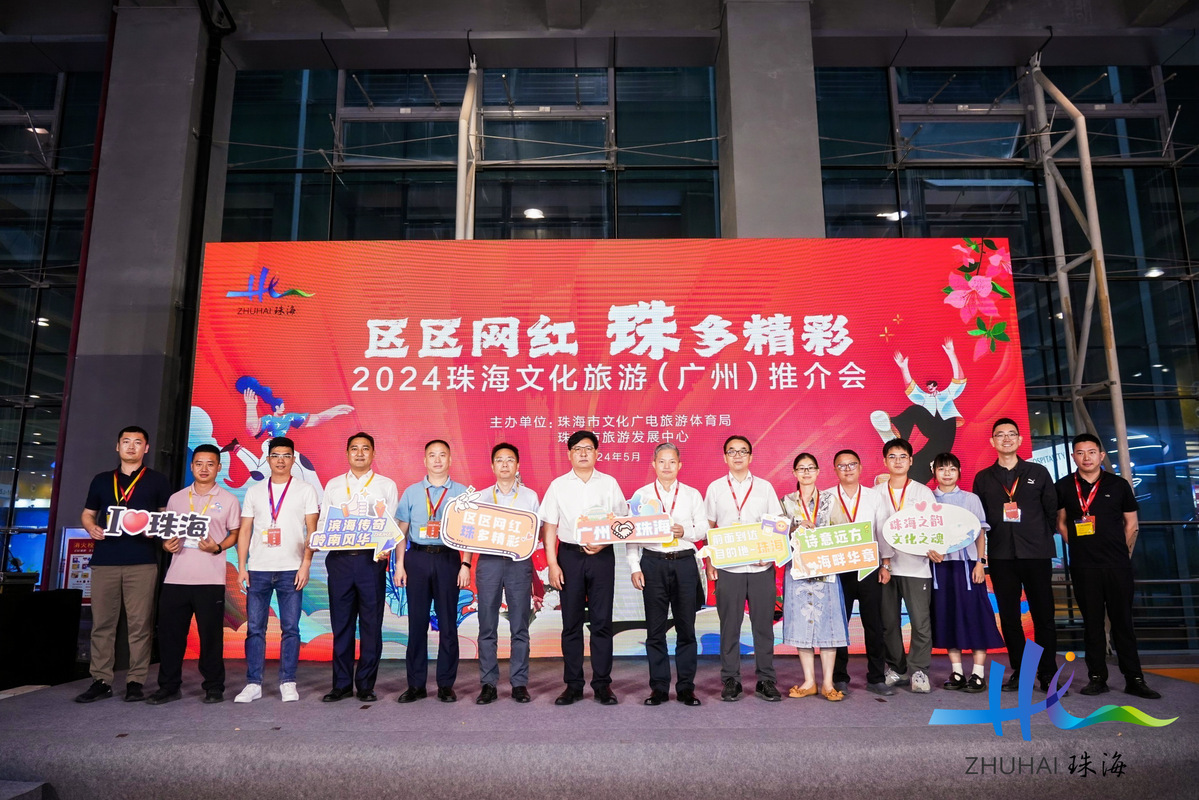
{"x": 903, "y": 492}
{"x": 740, "y": 506}
{"x": 124, "y": 496}
{"x": 1090, "y": 498}
{"x": 433, "y": 509}
{"x": 368, "y": 483}
{"x": 270, "y": 493}
{"x": 495, "y": 498}
{"x": 192, "y": 504}
{"x": 675, "y": 501}
{"x": 1011, "y": 493}
{"x": 841, "y": 498}
{"x": 803, "y": 508}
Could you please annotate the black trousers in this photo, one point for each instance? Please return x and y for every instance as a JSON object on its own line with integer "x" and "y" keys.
{"x": 432, "y": 581}
{"x": 176, "y": 605}
{"x": 589, "y": 584}
{"x": 1100, "y": 591}
{"x": 868, "y": 592}
{"x": 356, "y": 600}
{"x": 670, "y": 585}
{"x": 1033, "y": 576}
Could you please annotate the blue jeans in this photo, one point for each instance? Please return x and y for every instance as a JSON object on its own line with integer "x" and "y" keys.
{"x": 258, "y": 605}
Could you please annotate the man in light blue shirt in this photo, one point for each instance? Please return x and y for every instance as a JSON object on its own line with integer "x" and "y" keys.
{"x": 432, "y": 573}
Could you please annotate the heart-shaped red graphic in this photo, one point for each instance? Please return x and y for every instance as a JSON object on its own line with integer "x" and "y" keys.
{"x": 135, "y": 521}
{"x": 920, "y": 506}
{"x": 937, "y": 506}
{"x": 623, "y": 529}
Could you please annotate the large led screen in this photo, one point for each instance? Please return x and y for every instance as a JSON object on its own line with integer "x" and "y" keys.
{"x": 798, "y": 345}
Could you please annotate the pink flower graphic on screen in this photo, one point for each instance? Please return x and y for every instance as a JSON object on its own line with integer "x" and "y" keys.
{"x": 998, "y": 262}
{"x": 971, "y": 297}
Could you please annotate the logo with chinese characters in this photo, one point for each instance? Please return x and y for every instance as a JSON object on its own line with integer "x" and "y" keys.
{"x": 262, "y": 286}
{"x": 1025, "y": 708}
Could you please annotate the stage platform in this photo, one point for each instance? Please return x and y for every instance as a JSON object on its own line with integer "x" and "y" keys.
{"x": 864, "y": 746}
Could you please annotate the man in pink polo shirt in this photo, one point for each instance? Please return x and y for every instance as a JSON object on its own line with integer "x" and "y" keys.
{"x": 195, "y": 582}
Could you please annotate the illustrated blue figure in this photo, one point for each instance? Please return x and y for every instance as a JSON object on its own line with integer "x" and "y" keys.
{"x": 279, "y": 421}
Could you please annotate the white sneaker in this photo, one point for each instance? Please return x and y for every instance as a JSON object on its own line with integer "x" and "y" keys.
{"x": 893, "y": 678}
{"x": 881, "y": 423}
{"x": 252, "y": 692}
{"x": 288, "y": 692}
{"x": 920, "y": 683}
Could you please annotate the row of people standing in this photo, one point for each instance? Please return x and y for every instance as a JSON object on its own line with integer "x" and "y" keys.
{"x": 271, "y": 532}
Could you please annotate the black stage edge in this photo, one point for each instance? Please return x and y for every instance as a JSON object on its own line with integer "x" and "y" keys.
{"x": 862, "y": 747}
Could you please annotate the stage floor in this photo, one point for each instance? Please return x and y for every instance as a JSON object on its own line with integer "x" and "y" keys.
{"x": 865, "y": 744}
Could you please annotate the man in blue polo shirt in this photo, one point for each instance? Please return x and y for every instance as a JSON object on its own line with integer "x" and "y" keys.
{"x": 432, "y": 572}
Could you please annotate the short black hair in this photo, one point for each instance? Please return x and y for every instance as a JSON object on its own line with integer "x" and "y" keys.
{"x": 1004, "y": 421}
{"x": 360, "y": 435}
{"x": 133, "y": 429}
{"x": 281, "y": 441}
{"x": 579, "y": 436}
{"x": 902, "y": 444}
{"x": 441, "y": 442}
{"x": 847, "y": 452}
{"x": 737, "y": 438}
{"x": 207, "y": 448}
{"x": 947, "y": 460}
{"x": 1086, "y": 437}
{"x": 505, "y": 446}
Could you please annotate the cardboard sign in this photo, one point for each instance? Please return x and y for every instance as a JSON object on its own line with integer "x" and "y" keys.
{"x": 124, "y": 521}
{"x": 607, "y": 529}
{"x": 351, "y": 532}
{"x": 931, "y": 526}
{"x": 489, "y": 529}
{"x": 749, "y": 543}
{"x": 834, "y": 549}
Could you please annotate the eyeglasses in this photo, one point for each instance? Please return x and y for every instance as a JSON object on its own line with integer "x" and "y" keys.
{"x": 284, "y": 456}
{"x": 850, "y": 467}
{"x": 898, "y": 457}
{"x": 504, "y": 461}
{"x": 582, "y": 448}
{"x": 1005, "y": 436}
{"x": 806, "y": 470}
{"x": 735, "y": 453}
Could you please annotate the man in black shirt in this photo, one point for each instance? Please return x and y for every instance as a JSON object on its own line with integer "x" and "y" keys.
{"x": 124, "y": 567}
{"x": 1021, "y": 507}
{"x": 1098, "y": 516}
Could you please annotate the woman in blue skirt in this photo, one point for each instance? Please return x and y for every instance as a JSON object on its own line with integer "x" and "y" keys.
{"x": 962, "y": 616}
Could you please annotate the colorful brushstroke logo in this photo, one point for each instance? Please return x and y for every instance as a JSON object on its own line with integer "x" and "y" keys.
{"x": 266, "y": 286}
{"x": 1024, "y": 709}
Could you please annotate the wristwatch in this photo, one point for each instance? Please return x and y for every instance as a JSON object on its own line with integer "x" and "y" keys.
{"x": 465, "y": 564}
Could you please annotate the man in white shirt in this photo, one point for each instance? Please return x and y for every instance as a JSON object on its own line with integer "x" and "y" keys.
{"x": 735, "y": 499}
{"x": 356, "y": 579}
{"x": 911, "y": 576}
{"x": 497, "y": 576}
{"x": 585, "y": 576}
{"x": 668, "y": 576}
{"x": 851, "y": 502}
{"x": 277, "y": 518}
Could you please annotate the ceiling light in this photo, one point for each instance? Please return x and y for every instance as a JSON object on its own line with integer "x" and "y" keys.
{"x": 37, "y": 433}
{"x": 1157, "y": 366}
{"x": 1156, "y": 272}
{"x": 892, "y": 216}
{"x": 35, "y": 397}
{"x": 1058, "y": 315}
{"x": 38, "y": 131}
{"x": 534, "y": 213}
{"x": 43, "y": 322}
{"x": 1136, "y": 374}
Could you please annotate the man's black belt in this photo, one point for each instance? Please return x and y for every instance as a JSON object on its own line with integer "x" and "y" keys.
{"x": 428, "y": 548}
{"x": 669, "y": 556}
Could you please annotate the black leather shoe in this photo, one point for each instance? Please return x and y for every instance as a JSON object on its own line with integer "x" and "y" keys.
{"x": 955, "y": 683}
{"x": 731, "y": 690}
{"x": 976, "y": 684}
{"x": 1044, "y": 683}
{"x": 605, "y": 697}
{"x": 134, "y": 693}
{"x": 1137, "y": 687}
{"x": 768, "y": 691}
{"x": 99, "y": 690}
{"x": 367, "y": 696}
{"x": 213, "y": 696}
{"x": 1096, "y": 686}
{"x": 688, "y": 698}
{"x": 1012, "y": 684}
{"x": 338, "y": 694}
{"x": 880, "y": 688}
{"x": 159, "y": 697}
{"x": 568, "y": 696}
{"x": 841, "y": 686}
{"x": 521, "y": 694}
{"x": 486, "y": 696}
{"x": 657, "y": 698}
{"x": 412, "y": 694}
{"x": 446, "y": 694}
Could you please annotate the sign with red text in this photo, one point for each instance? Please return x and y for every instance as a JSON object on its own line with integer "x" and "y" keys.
{"x": 749, "y": 543}
{"x": 478, "y": 527}
{"x": 833, "y": 549}
{"x": 931, "y": 526}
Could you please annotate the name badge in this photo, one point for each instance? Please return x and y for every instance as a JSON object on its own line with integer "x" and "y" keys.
{"x": 1011, "y": 512}
{"x": 272, "y": 537}
{"x": 191, "y": 544}
{"x": 1084, "y": 526}
{"x": 432, "y": 530}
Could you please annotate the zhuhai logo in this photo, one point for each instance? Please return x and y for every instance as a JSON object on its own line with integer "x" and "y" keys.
{"x": 1025, "y": 708}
